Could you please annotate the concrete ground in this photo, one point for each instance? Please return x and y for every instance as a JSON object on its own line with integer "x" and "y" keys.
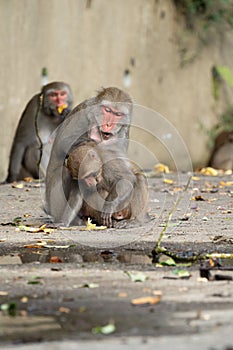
{"x": 59, "y": 287}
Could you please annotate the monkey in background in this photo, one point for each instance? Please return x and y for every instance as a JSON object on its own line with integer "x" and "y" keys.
{"x": 111, "y": 187}
{"x": 42, "y": 115}
{"x": 105, "y": 119}
{"x": 222, "y": 154}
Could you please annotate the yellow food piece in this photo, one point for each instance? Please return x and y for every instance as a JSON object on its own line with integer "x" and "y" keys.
{"x": 61, "y": 108}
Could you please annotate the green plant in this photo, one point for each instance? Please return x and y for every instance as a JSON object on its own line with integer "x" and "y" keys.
{"x": 209, "y": 12}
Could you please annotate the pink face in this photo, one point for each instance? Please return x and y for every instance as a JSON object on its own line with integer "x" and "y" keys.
{"x": 58, "y": 97}
{"x": 111, "y": 116}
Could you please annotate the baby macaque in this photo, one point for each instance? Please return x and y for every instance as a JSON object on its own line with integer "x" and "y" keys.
{"x": 98, "y": 180}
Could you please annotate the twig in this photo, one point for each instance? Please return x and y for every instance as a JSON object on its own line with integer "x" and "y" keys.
{"x": 171, "y": 213}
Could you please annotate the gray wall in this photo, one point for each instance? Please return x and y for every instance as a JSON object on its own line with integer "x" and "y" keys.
{"x": 91, "y": 43}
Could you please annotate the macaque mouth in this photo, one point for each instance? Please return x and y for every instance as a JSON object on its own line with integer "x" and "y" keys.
{"x": 106, "y": 135}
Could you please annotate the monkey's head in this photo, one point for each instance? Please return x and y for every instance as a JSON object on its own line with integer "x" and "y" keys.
{"x": 57, "y": 99}
{"x": 84, "y": 164}
{"x": 115, "y": 111}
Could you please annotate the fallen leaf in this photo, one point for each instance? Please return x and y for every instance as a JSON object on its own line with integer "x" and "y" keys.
{"x": 168, "y": 181}
{"x": 35, "y": 280}
{"x": 168, "y": 262}
{"x": 24, "y": 299}
{"x": 198, "y": 198}
{"x": 138, "y": 277}
{"x": 90, "y": 285}
{"x": 31, "y": 229}
{"x": 3, "y": 293}
{"x": 228, "y": 183}
{"x": 148, "y": 300}
{"x": 209, "y": 171}
{"x": 195, "y": 178}
{"x": 181, "y": 273}
{"x": 10, "y": 308}
{"x": 108, "y": 329}
{"x": 92, "y": 227}
{"x": 161, "y": 168}
{"x": 63, "y": 309}
{"x": 55, "y": 259}
{"x": 17, "y": 185}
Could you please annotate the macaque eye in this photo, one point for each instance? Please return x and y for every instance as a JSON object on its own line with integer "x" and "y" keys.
{"x": 63, "y": 93}
{"x": 119, "y": 114}
{"x": 52, "y": 94}
{"x": 91, "y": 175}
{"x": 108, "y": 110}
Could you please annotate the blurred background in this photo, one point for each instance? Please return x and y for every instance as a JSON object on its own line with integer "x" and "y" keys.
{"x": 173, "y": 56}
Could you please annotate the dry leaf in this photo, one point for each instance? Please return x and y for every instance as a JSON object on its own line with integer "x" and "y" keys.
{"x": 3, "y": 293}
{"x": 146, "y": 300}
{"x": 92, "y": 227}
{"x": 17, "y": 185}
{"x": 195, "y": 178}
{"x": 63, "y": 309}
{"x": 31, "y": 229}
{"x": 198, "y": 198}
{"x": 161, "y": 168}
{"x": 168, "y": 181}
{"x": 24, "y": 299}
{"x": 209, "y": 171}
{"x": 55, "y": 259}
{"x": 228, "y": 183}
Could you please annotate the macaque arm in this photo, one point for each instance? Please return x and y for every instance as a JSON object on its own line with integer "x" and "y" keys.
{"x": 73, "y": 206}
{"x": 118, "y": 198}
{"x": 24, "y": 134}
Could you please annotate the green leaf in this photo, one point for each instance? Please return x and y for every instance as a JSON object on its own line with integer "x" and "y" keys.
{"x": 226, "y": 74}
{"x": 139, "y": 277}
{"x": 168, "y": 262}
{"x": 181, "y": 273}
{"x": 35, "y": 280}
{"x": 10, "y": 308}
{"x": 108, "y": 329}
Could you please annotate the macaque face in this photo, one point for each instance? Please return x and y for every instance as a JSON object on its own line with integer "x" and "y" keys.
{"x": 111, "y": 116}
{"x": 92, "y": 179}
{"x": 109, "y": 123}
{"x": 58, "y": 97}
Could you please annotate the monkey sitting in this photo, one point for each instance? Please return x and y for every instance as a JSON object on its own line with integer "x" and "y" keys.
{"x": 42, "y": 115}
{"x": 222, "y": 155}
{"x": 111, "y": 187}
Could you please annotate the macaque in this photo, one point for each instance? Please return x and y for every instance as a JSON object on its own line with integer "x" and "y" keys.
{"x": 222, "y": 155}
{"x": 42, "y": 115}
{"x": 104, "y": 119}
{"x": 98, "y": 180}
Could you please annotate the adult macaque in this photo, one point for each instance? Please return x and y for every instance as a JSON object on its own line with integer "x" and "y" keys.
{"x": 112, "y": 188}
{"x": 42, "y": 115}
{"x": 105, "y": 119}
{"x": 222, "y": 155}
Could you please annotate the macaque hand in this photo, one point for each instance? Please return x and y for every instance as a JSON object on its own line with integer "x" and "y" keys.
{"x": 106, "y": 218}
